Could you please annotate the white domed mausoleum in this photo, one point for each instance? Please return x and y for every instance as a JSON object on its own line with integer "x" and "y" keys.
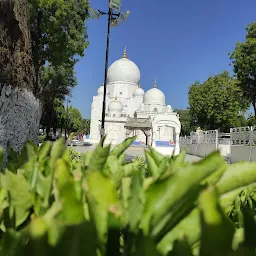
{"x": 131, "y": 111}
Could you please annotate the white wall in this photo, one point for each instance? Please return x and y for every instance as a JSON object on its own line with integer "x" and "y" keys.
{"x": 224, "y": 149}
{"x": 168, "y": 151}
{"x": 241, "y": 153}
{"x": 203, "y": 149}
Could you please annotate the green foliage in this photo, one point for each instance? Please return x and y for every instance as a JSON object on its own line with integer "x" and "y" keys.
{"x": 54, "y": 201}
{"x": 142, "y": 165}
{"x": 41, "y": 138}
{"x": 76, "y": 121}
{"x": 244, "y": 61}
{"x": 57, "y": 30}
{"x": 186, "y": 121}
{"x": 56, "y": 82}
{"x": 250, "y": 121}
{"x": 75, "y": 158}
{"x": 59, "y": 36}
{"x": 217, "y": 103}
{"x": 87, "y": 125}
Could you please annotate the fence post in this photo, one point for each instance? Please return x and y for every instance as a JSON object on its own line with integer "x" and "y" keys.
{"x": 230, "y": 144}
{"x": 217, "y": 139}
{"x": 250, "y": 142}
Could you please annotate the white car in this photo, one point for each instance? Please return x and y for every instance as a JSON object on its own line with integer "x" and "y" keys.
{"x": 75, "y": 143}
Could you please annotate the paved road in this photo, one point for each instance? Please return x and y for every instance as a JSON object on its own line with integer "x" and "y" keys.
{"x": 133, "y": 152}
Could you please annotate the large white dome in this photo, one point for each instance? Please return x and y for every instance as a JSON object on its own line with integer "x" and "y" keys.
{"x": 115, "y": 106}
{"x": 124, "y": 70}
{"x": 154, "y": 96}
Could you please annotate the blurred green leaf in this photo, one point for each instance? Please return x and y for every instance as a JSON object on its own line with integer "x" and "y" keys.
{"x": 152, "y": 165}
{"x": 181, "y": 248}
{"x": 237, "y": 175}
{"x": 163, "y": 197}
{"x": 72, "y": 208}
{"x": 44, "y": 150}
{"x": 119, "y": 149}
{"x": 135, "y": 202}
{"x": 20, "y": 199}
{"x": 156, "y": 156}
{"x": 217, "y": 230}
{"x": 99, "y": 157}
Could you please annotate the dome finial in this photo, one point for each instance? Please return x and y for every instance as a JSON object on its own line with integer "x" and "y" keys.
{"x": 155, "y": 83}
{"x": 138, "y": 85}
{"x": 125, "y": 55}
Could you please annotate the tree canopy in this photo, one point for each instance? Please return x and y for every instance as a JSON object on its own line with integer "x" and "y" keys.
{"x": 58, "y": 31}
{"x": 76, "y": 121}
{"x": 58, "y": 35}
{"x": 186, "y": 121}
{"x": 56, "y": 82}
{"x": 244, "y": 60}
{"x": 217, "y": 103}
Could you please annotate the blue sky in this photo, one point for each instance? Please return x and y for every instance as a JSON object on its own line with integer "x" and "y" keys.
{"x": 177, "y": 42}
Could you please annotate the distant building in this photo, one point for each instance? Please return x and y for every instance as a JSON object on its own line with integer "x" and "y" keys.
{"x": 130, "y": 111}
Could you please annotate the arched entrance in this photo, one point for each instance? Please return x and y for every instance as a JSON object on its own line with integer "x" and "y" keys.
{"x": 139, "y": 124}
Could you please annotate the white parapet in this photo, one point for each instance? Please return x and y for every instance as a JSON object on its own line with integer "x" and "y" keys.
{"x": 167, "y": 151}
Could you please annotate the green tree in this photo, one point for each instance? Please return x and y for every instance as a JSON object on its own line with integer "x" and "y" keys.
{"x": 244, "y": 60}
{"x": 251, "y": 120}
{"x": 217, "y": 103}
{"x": 186, "y": 121}
{"x": 58, "y": 31}
{"x": 57, "y": 82}
{"x": 87, "y": 125}
{"x": 76, "y": 121}
{"x": 58, "y": 35}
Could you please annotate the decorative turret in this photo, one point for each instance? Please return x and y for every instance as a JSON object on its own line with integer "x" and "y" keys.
{"x": 155, "y": 83}
{"x": 125, "y": 55}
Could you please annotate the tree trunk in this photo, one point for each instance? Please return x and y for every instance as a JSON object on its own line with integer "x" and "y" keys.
{"x": 20, "y": 109}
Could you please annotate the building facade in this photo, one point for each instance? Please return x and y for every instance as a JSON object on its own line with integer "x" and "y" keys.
{"x": 130, "y": 111}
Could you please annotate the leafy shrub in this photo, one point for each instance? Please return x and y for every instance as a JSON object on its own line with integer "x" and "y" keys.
{"x": 75, "y": 158}
{"x": 142, "y": 165}
{"x": 41, "y": 138}
{"x": 104, "y": 206}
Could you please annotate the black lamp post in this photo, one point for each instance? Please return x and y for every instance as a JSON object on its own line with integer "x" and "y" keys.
{"x": 111, "y": 17}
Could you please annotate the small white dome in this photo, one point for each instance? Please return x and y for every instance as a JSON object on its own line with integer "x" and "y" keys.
{"x": 115, "y": 106}
{"x": 139, "y": 92}
{"x": 123, "y": 70}
{"x": 169, "y": 108}
{"x": 154, "y": 96}
{"x": 101, "y": 90}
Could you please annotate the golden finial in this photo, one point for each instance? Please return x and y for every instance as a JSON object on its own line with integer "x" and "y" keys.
{"x": 155, "y": 84}
{"x": 125, "y": 55}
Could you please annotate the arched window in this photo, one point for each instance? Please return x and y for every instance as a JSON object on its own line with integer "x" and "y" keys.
{"x": 114, "y": 115}
{"x": 120, "y": 93}
{"x": 155, "y": 110}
